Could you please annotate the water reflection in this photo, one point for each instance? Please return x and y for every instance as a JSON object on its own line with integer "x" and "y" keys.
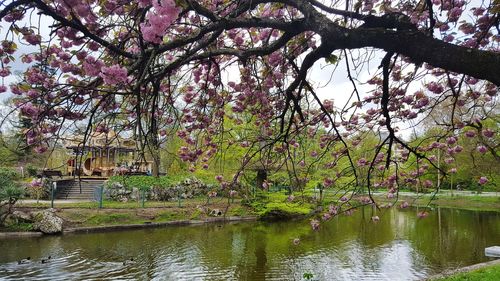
{"x": 399, "y": 247}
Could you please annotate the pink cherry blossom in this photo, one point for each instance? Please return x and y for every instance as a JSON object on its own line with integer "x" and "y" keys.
{"x": 265, "y": 185}
{"x": 470, "y": 134}
{"x": 327, "y": 182}
{"x": 315, "y": 224}
{"x": 428, "y": 183}
{"x": 333, "y": 210}
{"x": 362, "y": 162}
{"x": 422, "y": 214}
{"x": 482, "y": 149}
{"x": 157, "y": 21}
{"x": 4, "y": 72}
{"x": 451, "y": 140}
{"x": 326, "y": 216}
{"x": 488, "y": 133}
{"x": 40, "y": 149}
{"x": 92, "y": 67}
{"x": 36, "y": 183}
{"x": 114, "y": 74}
{"x": 483, "y": 180}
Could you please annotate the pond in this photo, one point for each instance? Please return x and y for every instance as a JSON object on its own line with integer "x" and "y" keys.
{"x": 398, "y": 247}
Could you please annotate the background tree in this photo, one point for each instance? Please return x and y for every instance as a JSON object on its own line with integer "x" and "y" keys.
{"x": 10, "y": 192}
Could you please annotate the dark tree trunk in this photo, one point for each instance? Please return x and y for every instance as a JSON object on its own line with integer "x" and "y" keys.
{"x": 156, "y": 165}
{"x": 261, "y": 177}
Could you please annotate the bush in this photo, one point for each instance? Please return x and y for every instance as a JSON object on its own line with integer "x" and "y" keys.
{"x": 10, "y": 192}
{"x": 274, "y": 206}
{"x": 38, "y": 189}
{"x": 9, "y": 173}
{"x": 31, "y": 170}
{"x": 143, "y": 182}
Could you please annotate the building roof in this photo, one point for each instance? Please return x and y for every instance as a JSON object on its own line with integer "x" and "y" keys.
{"x": 101, "y": 140}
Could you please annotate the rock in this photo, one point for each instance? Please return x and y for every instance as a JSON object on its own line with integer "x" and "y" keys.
{"x": 186, "y": 189}
{"x": 215, "y": 213}
{"x": 20, "y": 216}
{"x": 202, "y": 209}
{"x": 116, "y": 191}
{"x": 135, "y": 194}
{"x": 47, "y": 222}
{"x": 162, "y": 194}
{"x": 493, "y": 252}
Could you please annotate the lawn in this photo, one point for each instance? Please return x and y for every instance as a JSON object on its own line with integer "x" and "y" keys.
{"x": 489, "y": 273}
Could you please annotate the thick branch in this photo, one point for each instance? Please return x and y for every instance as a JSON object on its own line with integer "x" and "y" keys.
{"x": 421, "y": 48}
{"x": 10, "y": 7}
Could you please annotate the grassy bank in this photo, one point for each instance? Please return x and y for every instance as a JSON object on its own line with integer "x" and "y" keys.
{"x": 488, "y": 273}
{"x": 87, "y": 214}
{"x": 473, "y": 203}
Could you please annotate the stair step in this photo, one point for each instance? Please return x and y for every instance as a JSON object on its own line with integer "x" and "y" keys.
{"x": 71, "y": 189}
{"x": 76, "y": 192}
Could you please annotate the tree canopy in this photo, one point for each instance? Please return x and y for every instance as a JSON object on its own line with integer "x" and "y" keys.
{"x": 149, "y": 66}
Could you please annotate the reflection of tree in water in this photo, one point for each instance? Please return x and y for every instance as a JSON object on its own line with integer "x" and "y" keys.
{"x": 260, "y": 253}
{"x": 451, "y": 237}
{"x": 373, "y": 234}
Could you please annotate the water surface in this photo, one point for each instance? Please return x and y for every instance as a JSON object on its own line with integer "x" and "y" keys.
{"x": 399, "y": 247}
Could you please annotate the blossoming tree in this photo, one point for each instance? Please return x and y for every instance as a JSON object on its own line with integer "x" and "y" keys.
{"x": 146, "y": 64}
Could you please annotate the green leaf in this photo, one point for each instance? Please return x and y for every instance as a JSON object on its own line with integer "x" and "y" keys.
{"x": 181, "y": 3}
{"x": 308, "y": 275}
{"x": 332, "y": 59}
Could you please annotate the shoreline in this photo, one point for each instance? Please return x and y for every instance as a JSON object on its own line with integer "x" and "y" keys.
{"x": 106, "y": 228}
{"x": 465, "y": 269}
{"x": 122, "y": 227}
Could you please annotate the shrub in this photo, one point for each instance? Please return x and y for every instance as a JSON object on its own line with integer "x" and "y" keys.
{"x": 276, "y": 206}
{"x": 10, "y": 192}
{"x": 9, "y": 173}
{"x": 38, "y": 189}
{"x": 143, "y": 182}
{"x": 31, "y": 170}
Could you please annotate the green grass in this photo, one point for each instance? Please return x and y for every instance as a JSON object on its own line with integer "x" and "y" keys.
{"x": 472, "y": 203}
{"x": 270, "y": 204}
{"x": 290, "y": 208}
{"x": 82, "y": 217}
{"x": 110, "y": 219}
{"x": 490, "y": 273}
{"x": 171, "y": 216}
{"x": 117, "y": 205}
{"x": 19, "y": 227}
{"x": 239, "y": 211}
